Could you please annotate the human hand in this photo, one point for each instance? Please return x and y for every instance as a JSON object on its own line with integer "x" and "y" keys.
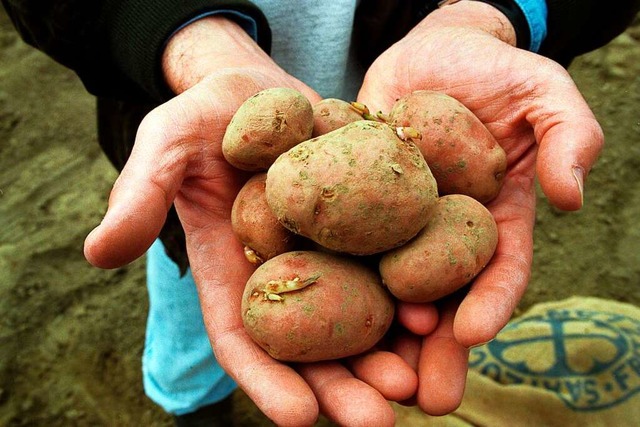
{"x": 533, "y": 108}
{"x": 177, "y": 158}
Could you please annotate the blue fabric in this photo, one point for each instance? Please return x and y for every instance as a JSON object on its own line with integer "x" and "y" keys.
{"x": 180, "y": 372}
{"x": 535, "y": 11}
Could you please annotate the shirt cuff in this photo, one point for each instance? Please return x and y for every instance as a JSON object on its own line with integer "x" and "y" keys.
{"x": 246, "y": 22}
{"x": 535, "y": 12}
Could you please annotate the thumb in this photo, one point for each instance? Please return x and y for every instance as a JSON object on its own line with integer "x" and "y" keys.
{"x": 379, "y": 90}
{"x": 567, "y": 152}
{"x": 139, "y": 200}
{"x": 376, "y": 97}
{"x": 570, "y": 140}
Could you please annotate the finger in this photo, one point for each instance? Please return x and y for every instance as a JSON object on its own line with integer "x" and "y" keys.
{"x": 442, "y": 366}
{"x": 276, "y": 389}
{"x": 344, "y": 399}
{"x": 496, "y": 292}
{"x": 221, "y": 272}
{"x": 387, "y": 372}
{"x": 407, "y": 346}
{"x": 570, "y": 140}
{"x": 421, "y": 319}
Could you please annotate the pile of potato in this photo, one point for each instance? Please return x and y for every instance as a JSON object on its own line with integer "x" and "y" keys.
{"x": 348, "y": 212}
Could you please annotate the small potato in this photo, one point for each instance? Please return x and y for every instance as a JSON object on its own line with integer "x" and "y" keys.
{"x": 359, "y": 189}
{"x": 307, "y": 306}
{"x": 256, "y": 226}
{"x": 448, "y": 253}
{"x": 265, "y": 126}
{"x": 331, "y": 114}
{"x": 463, "y": 155}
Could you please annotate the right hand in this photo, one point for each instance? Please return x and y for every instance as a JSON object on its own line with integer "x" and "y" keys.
{"x": 537, "y": 114}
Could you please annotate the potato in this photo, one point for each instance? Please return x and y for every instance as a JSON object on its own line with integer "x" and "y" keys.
{"x": 331, "y": 114}
{"x": 448, "y": 253}
{"x": 265, "y": 126}
{"x": 359, "y": 189}
{"x": 462, "y": 154}
{"x": 256, "y": 226}
{"x": 307, "y": 306}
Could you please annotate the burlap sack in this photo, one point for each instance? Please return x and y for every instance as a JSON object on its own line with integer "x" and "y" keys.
{"x": 574, "y": 362}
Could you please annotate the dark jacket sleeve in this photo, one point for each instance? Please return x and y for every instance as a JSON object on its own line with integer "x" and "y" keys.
{"x": 575, "y": 27}
{"x": 115, "y": 46}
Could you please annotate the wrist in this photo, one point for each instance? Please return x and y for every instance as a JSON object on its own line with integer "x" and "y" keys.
{"x": 476, "y": 15}
{"x": 206, "y": 46}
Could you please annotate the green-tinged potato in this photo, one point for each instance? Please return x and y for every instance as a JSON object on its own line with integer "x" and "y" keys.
{"x": 448, "y": 253}
{"x": 331, "y": 114}
{"x": 307, "y": 306}
{"x": 359, "y": 189}
{"x": 256, "y": 226}
{"x": 462, "y": 154}
{"x": 265, "y": 126}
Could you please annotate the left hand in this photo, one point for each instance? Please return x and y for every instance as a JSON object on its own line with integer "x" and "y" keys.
{"x": 177, "y": 158}
{"x": 534, "y": 110}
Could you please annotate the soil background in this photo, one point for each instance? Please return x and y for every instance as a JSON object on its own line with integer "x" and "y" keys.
{"x": 71, "y": 335}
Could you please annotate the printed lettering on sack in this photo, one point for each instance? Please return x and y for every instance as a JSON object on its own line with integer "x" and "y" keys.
{"x": 589, "y": 359}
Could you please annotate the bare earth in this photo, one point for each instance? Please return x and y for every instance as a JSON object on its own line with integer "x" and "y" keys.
{"x": 71, "y": 335}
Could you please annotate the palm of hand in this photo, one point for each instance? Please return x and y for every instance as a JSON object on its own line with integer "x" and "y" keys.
{"x": 522, "y": 98}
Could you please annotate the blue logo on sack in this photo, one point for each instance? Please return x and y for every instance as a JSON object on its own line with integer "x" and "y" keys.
{"x": 590, "y": 359}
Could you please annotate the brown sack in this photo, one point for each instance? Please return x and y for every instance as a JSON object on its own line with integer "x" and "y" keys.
{"x": 574, "y": 362}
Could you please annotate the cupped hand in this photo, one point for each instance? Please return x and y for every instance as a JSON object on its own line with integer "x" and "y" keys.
{"x": 535, "y": 111}
{"x": 177, "y": 159}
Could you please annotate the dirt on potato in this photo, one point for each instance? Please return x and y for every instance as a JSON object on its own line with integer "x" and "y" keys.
{"x": 71, "y": 336}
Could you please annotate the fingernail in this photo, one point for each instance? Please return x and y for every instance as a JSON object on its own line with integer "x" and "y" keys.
{"x": 480, "y": 344}
{"x": 578, "y": 174}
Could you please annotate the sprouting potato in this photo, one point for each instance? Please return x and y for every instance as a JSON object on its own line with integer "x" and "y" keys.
{"x": 266, "y": 125}
{"x": 461, "y": 152}
{"x": 307, "y": 306}
{"x": 256, "y": 226}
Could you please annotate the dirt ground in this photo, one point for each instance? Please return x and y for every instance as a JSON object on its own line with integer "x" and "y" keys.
{"x": 71, "y": 335}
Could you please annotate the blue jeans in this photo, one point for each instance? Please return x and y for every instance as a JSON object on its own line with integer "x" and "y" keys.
{"x": 180, "y": 372}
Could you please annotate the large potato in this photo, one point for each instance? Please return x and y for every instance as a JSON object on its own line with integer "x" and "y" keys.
{"x": 265, "y": 126}
{"x": 307, "y": 306}
{"x": 448, "y": 253}
{"x": 359, "y": 189}
{"x": 462, "y": 154}
{"x": 256, "y": 226}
